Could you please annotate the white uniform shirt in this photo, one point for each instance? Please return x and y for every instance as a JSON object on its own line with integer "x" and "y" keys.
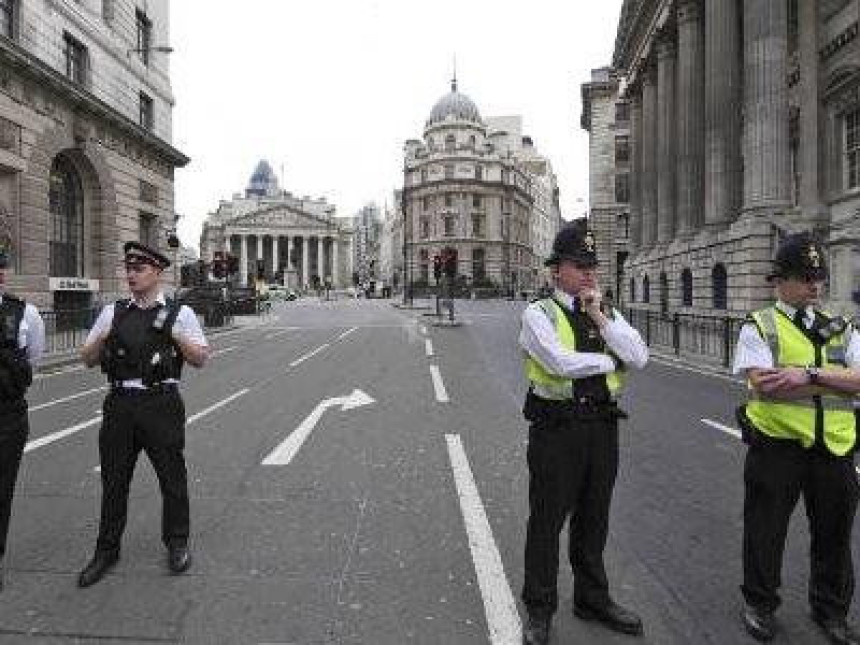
{"x": 186, "y": 327}
{"x": 31, "y": 333}
{"x": 753, "y": 352}
{"x": 539, "y": 339}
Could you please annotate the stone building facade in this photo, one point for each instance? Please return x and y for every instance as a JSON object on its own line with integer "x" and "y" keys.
{"x": 366, "y": 251}
{"x": 744, "y": 125}
{"x": 86, "y": 162}
{"x": 607, "y": 121}
{"x": 471, "y": 186}
{"x": 295, "y": 241}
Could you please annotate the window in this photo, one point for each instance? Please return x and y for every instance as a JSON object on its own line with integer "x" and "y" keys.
{"x": 472, "y": 142}
{"x": 450, "y": 143}
{"x": 66, "y": 236}
{"x": 476, "y": 201}
{"x": 108, "y": 10}
{"x": 449, "y": 225}
{"x": 479, "y": 173}
{"x": 449, "y": 200}
{"x": 7, "y": 18}
{"x": 664, "y": 294}
{"x": 622, "y": 112}
{"x": 477, "y": 225}
{"x": 852, "y": 147}
{"x": 75, "y": 54}
{"x": 425, "y": 228}
{"x": 144, "y": 36}
{"x": 146, "y": 111}
{"x": 719, "y": 286}
{"x": 425, "y": 202}
{"x": 622, "y": 188}
{"x": 632, "y": 289}
{"x": 687, "y": 288}
{"x": 622, "y": 150}
{"x": 449, "y": 171}
{"x": 646, "y": 290}
{"x": 423, "y": 175}
{"x": 148, "y": 229}
{"x": 478, "y": 265}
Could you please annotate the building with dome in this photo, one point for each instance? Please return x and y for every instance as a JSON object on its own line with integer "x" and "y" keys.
{"x": 294, "y": 241}
{"x": 480, "y": 189}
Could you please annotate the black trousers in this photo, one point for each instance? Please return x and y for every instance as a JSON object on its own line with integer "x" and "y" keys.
{"x": 572, "y": 470}
{"x": 776, "y": 474}
{"x": 154, "y": 423}
{"x": 14, "y": 428}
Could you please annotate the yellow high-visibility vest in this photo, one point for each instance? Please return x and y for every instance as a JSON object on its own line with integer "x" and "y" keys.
{"x": 551, "y": 386}
{"x": 796, "y": 420}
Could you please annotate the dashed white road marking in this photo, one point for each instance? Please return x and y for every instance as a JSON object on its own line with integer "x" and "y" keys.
{"x": 500, "y": 608}
{"x": 67, "y": 370}
{"x": 428, "y": 347}
{"x": 694, "y": 370}
{"x": 423, "y": 330}
{"x": 310, "y": 354}
{"x": 226, "y": 350}
{"x": 62, "y": 434}
{"x": 438, "y": 385}
{"x": 722, "y": 428}
{"x": 65, "y": 399}
{"x": 215, "y": 406}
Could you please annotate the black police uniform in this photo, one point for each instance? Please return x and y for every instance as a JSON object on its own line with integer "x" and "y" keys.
{"x": 16, "y": 375}
{"x": 777, "y": 472}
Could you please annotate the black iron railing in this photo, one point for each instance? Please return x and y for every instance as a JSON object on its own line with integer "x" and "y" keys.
{"x": 692, "y": 335}
{"x": 66, "y": 330}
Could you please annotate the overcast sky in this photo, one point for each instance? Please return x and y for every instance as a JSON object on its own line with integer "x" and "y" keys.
{"x": 329, "y": 90}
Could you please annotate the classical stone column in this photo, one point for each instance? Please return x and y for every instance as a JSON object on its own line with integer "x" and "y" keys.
{"x": 691, "y": 117}
{"x": 305, "y": 261}
{"x": 636, "y": 170}
{"x": 259, "y": 247}
{"x": 810, "y": 133}
{"x": 227, "y": 243}
{"x": 275, "y": 258}
{"x": 334, "y": 267}
{"x": 649, "y": 153}
{"x": 321, "y": 257}
{"x": 767, "y": 174}
{"x": 243, "y": 260}
{"x": 666, "y": 128}
{"x": 723, "y": 178}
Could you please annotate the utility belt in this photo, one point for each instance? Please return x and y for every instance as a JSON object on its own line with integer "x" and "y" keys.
{"x": 752, "y": 436}
{"x": 117, "y": 388}
{"x": 538, "y": 409}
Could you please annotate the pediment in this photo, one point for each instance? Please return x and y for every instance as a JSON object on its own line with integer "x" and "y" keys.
{"x": 279, "y": 217}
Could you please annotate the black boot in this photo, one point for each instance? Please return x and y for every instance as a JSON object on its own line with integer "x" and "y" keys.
{"x": 102, "y": 562}
{"x": 759, "y": 623}
{"x": 178, "y": 559}
{"x": 613, "y": 615}
{"x": 836, "y": 630}
{"x": 536, "y": 631}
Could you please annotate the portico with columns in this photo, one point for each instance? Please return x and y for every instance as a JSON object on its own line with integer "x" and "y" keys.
{"x": 735, "y": 140}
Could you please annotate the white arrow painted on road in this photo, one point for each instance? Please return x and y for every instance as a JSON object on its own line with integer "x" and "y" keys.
{"x": 284, "y": 453}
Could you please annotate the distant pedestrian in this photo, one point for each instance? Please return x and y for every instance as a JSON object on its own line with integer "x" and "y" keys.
{"x": 142, "y": 344}
{"x": 21, "y": 345}
{"x": 803, "y": 371}
{"x": 576, "y": 355}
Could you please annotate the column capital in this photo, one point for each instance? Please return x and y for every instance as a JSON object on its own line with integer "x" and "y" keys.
{"x": 688, "y": 11}
{"x": 648, "y": 70}
{"x": 666, "y": 42}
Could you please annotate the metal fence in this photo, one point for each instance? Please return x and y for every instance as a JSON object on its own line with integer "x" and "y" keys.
{"x": 707, "y": 337}
{"x": 66, "y": 330}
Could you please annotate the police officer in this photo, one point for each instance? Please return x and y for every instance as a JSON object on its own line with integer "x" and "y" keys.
{"x": 21, "y": 345}
{"x": 803, "y": 371}
{"x": 141, "y": 344}
{"x": 576, "y": 354}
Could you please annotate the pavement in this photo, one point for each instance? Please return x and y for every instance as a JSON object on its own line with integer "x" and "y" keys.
{"x": 358, "y": 476}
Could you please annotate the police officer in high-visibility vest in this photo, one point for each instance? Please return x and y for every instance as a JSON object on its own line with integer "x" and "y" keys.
{"x": 141, "y": 344}
{"x": 576, "y": 354}
{"x": 803, "y": 371}
{"x": 22, "y": 340}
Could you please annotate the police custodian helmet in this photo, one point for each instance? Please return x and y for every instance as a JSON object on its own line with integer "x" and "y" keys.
{"x": 574, "y": 242}
{"x": 800, "y": 256}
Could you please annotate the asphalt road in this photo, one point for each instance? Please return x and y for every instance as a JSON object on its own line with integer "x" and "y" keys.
{"x": 391, "y": 506}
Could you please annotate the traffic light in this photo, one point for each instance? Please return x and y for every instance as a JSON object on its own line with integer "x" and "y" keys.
{"x": 437, "y": 267}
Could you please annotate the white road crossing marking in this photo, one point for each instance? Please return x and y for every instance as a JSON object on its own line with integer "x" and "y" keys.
{"x": 722, "y": 428}
{"x": 500, "y": 608}
{"x": 310, "y": 354}
{"x": 215, "y": 406}
{"x": 428, "y": 347}
{"x": 284, "y": 453}
{"x": 62, "y": 434}
{"x": 65, "y": 399}
{"x": 438, "y": 385}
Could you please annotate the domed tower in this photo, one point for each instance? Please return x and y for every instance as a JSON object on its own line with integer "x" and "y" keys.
{"x": 454, "y": 122}
{"x": 263, "y": 181}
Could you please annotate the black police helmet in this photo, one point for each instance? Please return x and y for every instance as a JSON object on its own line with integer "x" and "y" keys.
{"x": 574, "y": 242}
{"x": 800, "y": 255}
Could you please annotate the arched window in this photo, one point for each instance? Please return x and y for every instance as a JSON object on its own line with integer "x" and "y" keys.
{"x": 719, "y": 287}
{"x": 66, "y": 235}
{"x": 632, "y": 289}
{"x": 664, "y": 294}
{"x": 646, "y": 290}
{"x": 687, "y": 288}
{"x": 450, "y": 143}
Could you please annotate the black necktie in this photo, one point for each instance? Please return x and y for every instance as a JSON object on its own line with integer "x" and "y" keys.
{"x": 799, "y": 319}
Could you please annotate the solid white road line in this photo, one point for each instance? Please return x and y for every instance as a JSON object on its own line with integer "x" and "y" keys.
{"x": 67, "y": 370}
{"x": 722, "y": 428}
{"x": 428, "y": 347}
{"x": 215, "y": 406}
{"x": 62, "y": 434}
{"x": 713, "y": 374}
{"x": 310, "y": 354}
{"x": 71, "y": 397}
{"x": 438, "y": 385}
{"x": 346, "y": 333}
{"x": 500, "y": 608}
